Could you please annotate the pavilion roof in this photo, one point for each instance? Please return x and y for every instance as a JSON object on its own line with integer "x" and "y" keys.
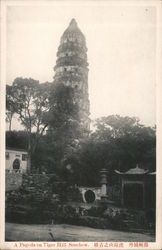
{"x": 152, "y": 173}
{"x": 133, "y": 171}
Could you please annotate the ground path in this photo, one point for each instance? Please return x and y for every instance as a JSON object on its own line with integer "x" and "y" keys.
{"x": 64, "y": 232}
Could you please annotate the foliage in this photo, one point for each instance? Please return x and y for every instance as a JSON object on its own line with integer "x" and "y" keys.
{"x": 17, "y": 139}
{"x": 130, "y": 142}
{"x": 64, "y": 122}
{"x": 10, "y": 106}
{"x": 29, "y": 100}
{"x": 117, "y": 143}
{"x": 63, "y": 108}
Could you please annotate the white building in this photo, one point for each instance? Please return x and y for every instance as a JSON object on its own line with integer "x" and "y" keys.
{"x": 16, "y": 160}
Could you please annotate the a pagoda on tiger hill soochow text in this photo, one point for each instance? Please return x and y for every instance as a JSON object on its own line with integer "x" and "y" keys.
{"x": 72, "y": 70}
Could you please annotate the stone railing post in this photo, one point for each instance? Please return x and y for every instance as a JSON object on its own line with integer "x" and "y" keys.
{"x": 103, "y": 174}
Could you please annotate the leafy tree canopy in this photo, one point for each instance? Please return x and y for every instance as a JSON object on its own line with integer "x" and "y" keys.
{"x": 117, "y": 143}
{"x": 30, "y": 101}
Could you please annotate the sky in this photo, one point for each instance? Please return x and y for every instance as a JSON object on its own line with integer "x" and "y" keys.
{"x": 121, "y": 42}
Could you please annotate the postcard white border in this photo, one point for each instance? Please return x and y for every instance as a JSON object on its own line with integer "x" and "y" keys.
{"x": 158, "y": 5}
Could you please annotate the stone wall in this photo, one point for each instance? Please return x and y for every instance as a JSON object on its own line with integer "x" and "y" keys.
{"x": 13, "y": 180}
{"x": 95, "y": 190}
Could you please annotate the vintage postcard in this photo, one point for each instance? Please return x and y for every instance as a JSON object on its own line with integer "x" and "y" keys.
{"x": 81, "y": 124}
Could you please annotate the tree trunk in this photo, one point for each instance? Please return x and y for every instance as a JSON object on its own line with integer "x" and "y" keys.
{"x": 38, "y": 136}
{"x": 29, "y": 154}
{"x": 10, "y": 125}
{"x": 29, "y": 162}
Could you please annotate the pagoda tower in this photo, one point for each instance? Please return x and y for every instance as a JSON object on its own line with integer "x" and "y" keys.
{"x": 72, "y": 70}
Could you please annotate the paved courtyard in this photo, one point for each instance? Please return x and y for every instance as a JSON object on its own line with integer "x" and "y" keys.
{"x": 64, "y": 232}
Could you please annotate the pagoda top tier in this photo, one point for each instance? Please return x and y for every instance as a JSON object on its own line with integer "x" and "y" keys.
{"x": 73, "y": 24}
{"x": 73, "y": 32}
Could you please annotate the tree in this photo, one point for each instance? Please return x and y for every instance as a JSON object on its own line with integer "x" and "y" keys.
{"x": 10, "y": 106}
{"x": 117, "y": 143}
{"x": 30, "y": 103}
{"x": 17, "y": 139}
{"x": 130, "y": 142}
{"x": 64, "y": 121}
{"x": 41, "y": 103}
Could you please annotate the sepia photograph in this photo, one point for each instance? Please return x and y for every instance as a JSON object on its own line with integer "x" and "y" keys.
{"x": 80, "y": 125}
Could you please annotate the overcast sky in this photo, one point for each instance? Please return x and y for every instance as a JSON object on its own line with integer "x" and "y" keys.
{"x": 121, "y": 42}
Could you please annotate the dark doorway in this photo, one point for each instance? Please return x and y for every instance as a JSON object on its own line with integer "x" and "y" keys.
{"x": 16, "y": 164}
{"x": 133, "y": 196}
{"x": 89, "y": 196}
